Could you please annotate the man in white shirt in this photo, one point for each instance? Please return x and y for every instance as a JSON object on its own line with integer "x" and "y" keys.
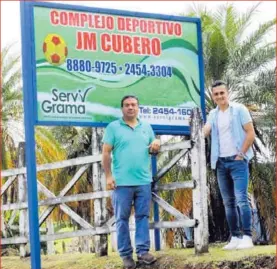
{"x": 232, "y": 132}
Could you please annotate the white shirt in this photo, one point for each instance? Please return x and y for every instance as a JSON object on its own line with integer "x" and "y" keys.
{"x": 226, "y": 144}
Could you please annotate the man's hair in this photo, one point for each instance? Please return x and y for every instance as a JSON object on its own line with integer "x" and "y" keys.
{"x": 128, "y": 96}
{"x": 219, "y": 83}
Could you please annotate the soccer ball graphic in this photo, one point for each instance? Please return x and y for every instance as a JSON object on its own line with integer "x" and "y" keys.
{"x": 55, "y": 49}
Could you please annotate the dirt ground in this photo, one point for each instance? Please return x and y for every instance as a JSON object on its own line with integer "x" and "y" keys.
{"x": 263, "y": 262}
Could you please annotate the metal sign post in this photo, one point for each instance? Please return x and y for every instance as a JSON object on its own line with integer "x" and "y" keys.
{"x": 29, "y": 122}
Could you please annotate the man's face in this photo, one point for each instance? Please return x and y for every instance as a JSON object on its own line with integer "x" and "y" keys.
{"x": 130, "y": 108}
{"x": 220, "y": 95}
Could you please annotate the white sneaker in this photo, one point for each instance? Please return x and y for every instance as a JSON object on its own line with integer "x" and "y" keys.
{"x": 233, "y": 243}
{"x": 246, "y": 242}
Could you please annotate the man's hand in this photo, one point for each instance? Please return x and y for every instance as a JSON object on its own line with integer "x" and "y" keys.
{"x": 106, "y": 162}
{"x": 110, "y": 183}
{"x": 238, "y": 158}
{"x": 155, "y": 146}
{"x": 207, "y": 129}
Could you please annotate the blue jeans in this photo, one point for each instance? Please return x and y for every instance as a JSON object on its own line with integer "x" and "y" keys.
{"x": 123, "y": 197}
{"x": 232, "y": 176}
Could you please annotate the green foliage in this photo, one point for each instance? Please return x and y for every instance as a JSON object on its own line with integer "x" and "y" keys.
{"x": 264, "y": 189}
{"x": 59, "y": 243}
{"x": 11, "y": 100}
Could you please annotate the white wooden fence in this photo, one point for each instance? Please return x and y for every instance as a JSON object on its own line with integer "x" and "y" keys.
{"x": 102, "y": 226}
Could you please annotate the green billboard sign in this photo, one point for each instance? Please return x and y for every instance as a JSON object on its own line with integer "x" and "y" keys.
{"x": 86, "y": 61}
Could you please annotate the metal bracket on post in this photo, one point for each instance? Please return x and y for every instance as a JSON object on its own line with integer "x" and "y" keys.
{"x": 154, "y": 183}
{"x": 192, "y": 143}
{"x": 196, "y": 223}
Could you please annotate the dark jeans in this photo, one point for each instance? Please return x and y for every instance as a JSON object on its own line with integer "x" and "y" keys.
{"x": 232, "y": 176}
{"x": 123, "y": 197}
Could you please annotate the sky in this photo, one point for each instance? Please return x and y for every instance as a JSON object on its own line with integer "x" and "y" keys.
{"x": 10, "y": 12}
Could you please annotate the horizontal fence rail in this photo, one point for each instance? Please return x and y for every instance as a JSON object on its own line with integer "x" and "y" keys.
{"x": 93, "y": 195}
{"x": 97, "y": 231}
{"x": 85, "y": 160}
{"x": 52, "y": 166}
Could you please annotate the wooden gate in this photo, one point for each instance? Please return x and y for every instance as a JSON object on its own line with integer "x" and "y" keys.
{"x": 103, "y": 226}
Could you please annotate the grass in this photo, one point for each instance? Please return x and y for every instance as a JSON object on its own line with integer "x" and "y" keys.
{"x": 171, "y": 258}
{"x": 58, "y": 243}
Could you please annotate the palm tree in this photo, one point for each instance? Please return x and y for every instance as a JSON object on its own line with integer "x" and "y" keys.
{"x": 245, "y": 62}
{"x": 11, "y": 104}
{"x": 47, "y": 149}
{"x": 228, "y": 54}
{"x": 11, "y": 110}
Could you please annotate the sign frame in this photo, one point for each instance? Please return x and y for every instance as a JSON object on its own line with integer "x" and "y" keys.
{"x": 30, "y": 101}
{"x": 158, "y": 129}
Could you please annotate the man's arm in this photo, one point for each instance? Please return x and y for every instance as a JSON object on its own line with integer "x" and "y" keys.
{"x": 207, "y": 129}
{"x": 155, "y": 144}
{"x": 250, "y": 136}
{"x": 106, "y": 162}
{"x": 249, "y": 139}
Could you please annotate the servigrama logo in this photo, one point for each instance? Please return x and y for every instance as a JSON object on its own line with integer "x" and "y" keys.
{"x": 62, "y": 103}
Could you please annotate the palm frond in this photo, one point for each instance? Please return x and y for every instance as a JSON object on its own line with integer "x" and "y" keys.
{"x": 245, "y": 20}
{"x": 255, "y": 38}
{"x": 255, "y": 62}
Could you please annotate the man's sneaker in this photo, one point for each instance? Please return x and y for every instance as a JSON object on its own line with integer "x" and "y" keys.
{"x": 128, "y": 263}
{"x": 245, "y": 242}
{"x": 146, "y": 258}
{"x": 233, "y": 243}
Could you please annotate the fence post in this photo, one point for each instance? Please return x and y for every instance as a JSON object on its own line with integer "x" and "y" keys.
{"x": 85, "y": 240}
{"x": 3, "y": 231}
{"x": 50, "y": 230}
{"x": 22, "y": 197}
{"x": 198, "y": 166}
{"x": 99, "y": 184}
